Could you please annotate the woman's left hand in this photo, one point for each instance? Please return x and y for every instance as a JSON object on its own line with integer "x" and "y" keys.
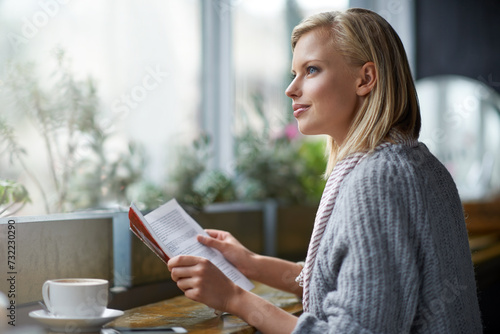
{"x": 202, "y": 281}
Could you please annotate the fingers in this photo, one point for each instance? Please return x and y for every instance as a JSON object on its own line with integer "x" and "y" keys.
{"x": 211, "y": 242}
{"x": 183, "y": 261}
{"x": 179, "y": 273}
{"x": 184, "y": 266}
{"x": 187, "y": 283}
{"x": 218, "y": 234}
{"x": 192, "y": 288}
{"x": 184, "y": 284}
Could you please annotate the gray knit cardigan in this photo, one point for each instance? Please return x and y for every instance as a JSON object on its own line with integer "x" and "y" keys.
{"x": 394, "y": 257}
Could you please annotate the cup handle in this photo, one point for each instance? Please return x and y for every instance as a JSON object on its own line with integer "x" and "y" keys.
{"x": 46, "y": 295}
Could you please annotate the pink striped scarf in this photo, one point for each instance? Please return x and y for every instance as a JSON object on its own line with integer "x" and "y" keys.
{"x": 328, "y": 199}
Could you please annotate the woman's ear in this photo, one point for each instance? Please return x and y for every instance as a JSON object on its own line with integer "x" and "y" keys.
{"x": 367, "y": 79}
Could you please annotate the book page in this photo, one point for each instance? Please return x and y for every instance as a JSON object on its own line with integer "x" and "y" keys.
{"x": 175, "y": 231}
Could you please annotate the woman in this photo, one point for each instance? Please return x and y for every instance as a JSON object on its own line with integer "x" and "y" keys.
{"x": 389, "y": 250}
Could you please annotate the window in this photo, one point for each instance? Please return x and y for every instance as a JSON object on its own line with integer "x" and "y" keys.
{"x": 144, "y": 60}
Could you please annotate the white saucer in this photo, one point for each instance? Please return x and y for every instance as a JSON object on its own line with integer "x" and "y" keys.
{"x": 63, "y": 324}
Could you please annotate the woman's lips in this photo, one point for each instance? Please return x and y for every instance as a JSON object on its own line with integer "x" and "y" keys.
{"x": 298, "y": 109}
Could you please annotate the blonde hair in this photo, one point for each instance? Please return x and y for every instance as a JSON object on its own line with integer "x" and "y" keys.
{"x": 362, "y": 36}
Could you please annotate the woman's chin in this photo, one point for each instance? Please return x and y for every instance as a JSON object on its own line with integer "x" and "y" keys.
{"x": 302, "y": 128}
{"x": 307, "y": 131}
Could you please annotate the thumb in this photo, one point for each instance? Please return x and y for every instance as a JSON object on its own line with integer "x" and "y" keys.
{"x": 210, "y": 242}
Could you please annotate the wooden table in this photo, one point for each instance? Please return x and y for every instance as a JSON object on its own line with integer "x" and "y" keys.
{"x": 198, "y": 318}
{"x": 483, "y": 225}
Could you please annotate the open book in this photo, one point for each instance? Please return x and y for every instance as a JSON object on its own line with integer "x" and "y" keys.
{"x": 169, "y": 231}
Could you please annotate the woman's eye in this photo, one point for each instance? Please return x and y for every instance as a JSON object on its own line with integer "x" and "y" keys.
{"x": 293, "y": 76}
{"x": 312, "y": 69}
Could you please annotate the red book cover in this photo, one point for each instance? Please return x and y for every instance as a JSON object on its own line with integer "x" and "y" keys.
{"x": 137, "y": 226}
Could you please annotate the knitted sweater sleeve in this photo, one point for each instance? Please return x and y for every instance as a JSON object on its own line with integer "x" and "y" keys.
{"x": 367, "y": 272}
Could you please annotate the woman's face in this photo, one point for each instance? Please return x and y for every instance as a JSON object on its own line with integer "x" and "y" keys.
{"x": 323, "y": 90}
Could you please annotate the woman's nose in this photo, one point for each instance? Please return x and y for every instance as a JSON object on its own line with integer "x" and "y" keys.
{"x": 292, "y": 90}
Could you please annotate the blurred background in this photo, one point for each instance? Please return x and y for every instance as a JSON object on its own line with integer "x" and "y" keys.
{"x": 104, "y": 102}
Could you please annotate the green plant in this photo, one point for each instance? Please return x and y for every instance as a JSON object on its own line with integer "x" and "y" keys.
{"x": 282, "y": 168}
{"x": 214, "y": 186}
{"x": 267, "y": 168}
{"x": 146, "y": 195}
{"x": 13, "y": 197}
{"x": 192, "y": 182}
{"x": 285, "y": 169}
{"x": 312, "y": 155}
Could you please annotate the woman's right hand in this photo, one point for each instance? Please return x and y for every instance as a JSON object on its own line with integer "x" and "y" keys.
{"x": 231, "y": 248}
{"x": 269, "y": 270}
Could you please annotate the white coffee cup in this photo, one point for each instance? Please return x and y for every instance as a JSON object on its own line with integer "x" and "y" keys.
{"x": 76, "y": 297}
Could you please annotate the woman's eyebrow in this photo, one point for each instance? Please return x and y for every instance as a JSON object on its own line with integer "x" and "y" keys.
{"x": 314, "y": 60}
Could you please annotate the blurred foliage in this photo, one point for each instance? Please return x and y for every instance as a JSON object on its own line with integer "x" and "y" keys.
{"x": 214, "y": 186}
{"x": 75, "y": 131}
{"x": 146, "y": 195}
{"x": 191, "y": 182}
{"x": 312, "y": 154}
{"x": 284, "y": 166}
{"x": 86, "y": 173}
{"x": 102, "y": 182}
{"x": 289, "y": 171}
{"x": 191, "y": 163}
{"x": 273, "y": 160}
{"x": 13, "y": 197}
{"x": 269, "y": 168}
